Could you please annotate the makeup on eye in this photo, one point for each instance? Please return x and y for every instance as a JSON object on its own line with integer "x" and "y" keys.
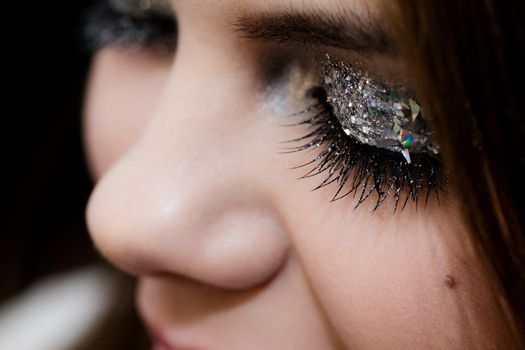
{"x": 377, "y": 114}
{"x": 359, "y": 169}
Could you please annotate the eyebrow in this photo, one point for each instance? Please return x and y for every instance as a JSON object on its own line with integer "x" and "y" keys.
{"x": 348, "y": 32}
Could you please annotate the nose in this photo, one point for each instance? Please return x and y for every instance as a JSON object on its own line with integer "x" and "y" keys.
{"x": 187, "y": 197}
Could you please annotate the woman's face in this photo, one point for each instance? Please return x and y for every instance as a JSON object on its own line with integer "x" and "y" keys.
{"x": 196, "y": 198}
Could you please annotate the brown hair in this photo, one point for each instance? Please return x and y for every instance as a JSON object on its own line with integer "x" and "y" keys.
{"x": 467, "y": 59}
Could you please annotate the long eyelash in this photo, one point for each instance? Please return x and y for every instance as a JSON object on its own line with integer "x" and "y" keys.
{"x": 361, "y": 170}
{"x": 105, "y": 25}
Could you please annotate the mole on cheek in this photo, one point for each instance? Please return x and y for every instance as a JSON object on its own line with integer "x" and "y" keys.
{"x": 450, "y": 282}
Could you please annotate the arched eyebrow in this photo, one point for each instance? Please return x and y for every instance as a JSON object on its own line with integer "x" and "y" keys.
{"x": 348, "y": 32}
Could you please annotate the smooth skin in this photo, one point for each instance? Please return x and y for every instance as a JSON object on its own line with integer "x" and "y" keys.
{"x": 231, "y": 250}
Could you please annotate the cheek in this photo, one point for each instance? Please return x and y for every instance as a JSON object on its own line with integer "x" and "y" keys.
{"x": 395, "y": 281}
{"x": 122, "y": 93}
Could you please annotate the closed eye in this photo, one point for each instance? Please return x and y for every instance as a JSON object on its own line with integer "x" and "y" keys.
{"x": 108, "y": 24}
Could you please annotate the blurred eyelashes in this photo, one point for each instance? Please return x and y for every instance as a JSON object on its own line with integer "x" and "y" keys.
{"x": 126, "y": 23}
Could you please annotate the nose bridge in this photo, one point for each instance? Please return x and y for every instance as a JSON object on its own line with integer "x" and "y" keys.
{"x": 173, "y": 203}
{"x": 195, "y": 131}
{"x": 206, "y": 104}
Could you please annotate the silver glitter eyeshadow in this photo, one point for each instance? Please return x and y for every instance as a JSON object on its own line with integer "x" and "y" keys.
{"x": 376, "y": 114}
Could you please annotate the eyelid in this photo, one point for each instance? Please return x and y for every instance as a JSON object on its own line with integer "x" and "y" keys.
{"x": 379, "y": 114}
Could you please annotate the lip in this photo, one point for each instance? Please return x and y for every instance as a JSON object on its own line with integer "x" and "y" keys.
{"x": 159, "y": 341}
{"x": 158, "y": 330}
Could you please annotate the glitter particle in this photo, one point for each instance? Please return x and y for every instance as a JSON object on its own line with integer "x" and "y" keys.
{"x": 415, "y": 108}
{"x": 406, "y": 140}
{"x": 406, "y": 154}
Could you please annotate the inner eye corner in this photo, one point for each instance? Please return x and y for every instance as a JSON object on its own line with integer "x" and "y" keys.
{"x": 317, "y": 92}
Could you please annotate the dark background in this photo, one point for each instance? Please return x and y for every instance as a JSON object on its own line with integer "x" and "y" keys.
{"x": 45, "y": 183}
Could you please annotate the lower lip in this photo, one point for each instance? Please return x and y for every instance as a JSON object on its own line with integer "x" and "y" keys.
{"x": 160, "y": 347}
{"x": 159, "y": 343}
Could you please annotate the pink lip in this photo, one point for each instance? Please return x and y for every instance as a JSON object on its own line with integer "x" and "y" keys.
{"x": 159, "y": 342}
{"x": 159, "y": 347}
